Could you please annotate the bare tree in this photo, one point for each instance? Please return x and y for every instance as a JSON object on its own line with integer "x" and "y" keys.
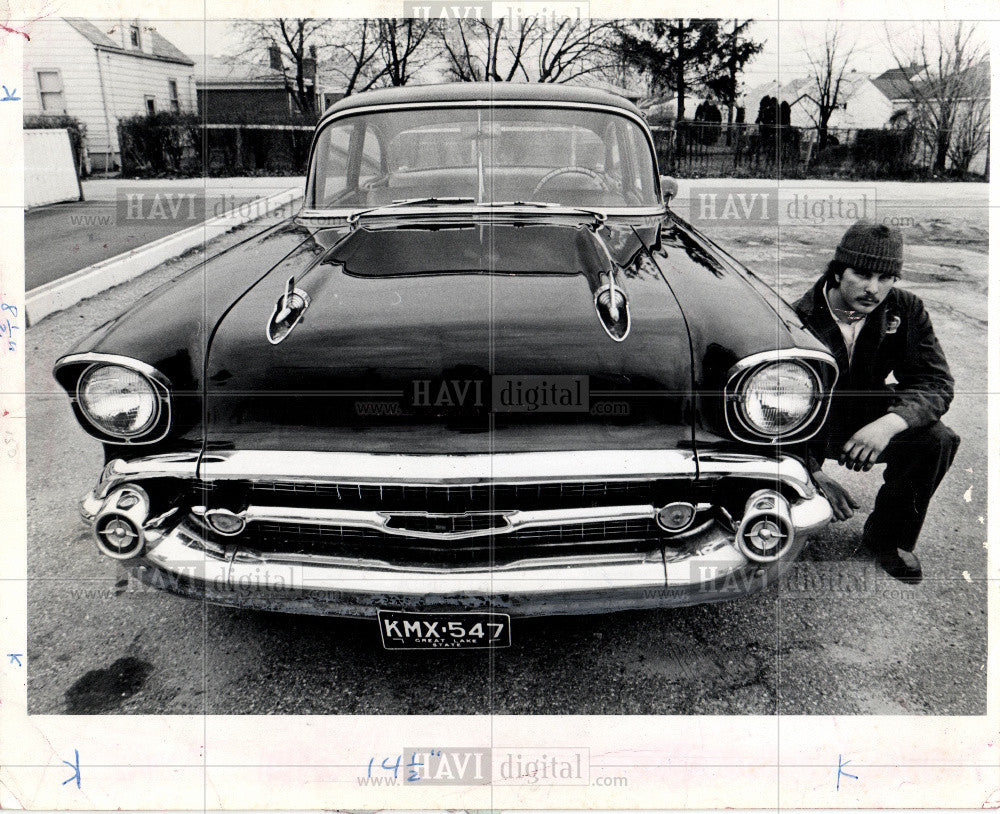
{"x": 573, "y": 48}
{"x": 949, "y": 98}
{"x": 533, "y": 50}
{"x": 478, "y": 49}
{"x": 971, "y": 133}
{"x": 354, "y": 50}
{"x": 298, "y": 40}
{"x": 361, "y": 53}
{"x": 827, "y": 69}
{"x": 400, "y": 47}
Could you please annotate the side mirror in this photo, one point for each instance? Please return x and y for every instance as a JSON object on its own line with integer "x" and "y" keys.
{"x": 668, "y": 188}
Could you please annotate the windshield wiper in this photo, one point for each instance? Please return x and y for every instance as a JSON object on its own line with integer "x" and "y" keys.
{"x": 599, "y": 216}
{"x": 354, "y": 217}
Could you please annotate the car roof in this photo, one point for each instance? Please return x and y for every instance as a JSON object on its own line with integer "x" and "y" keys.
{"x": 457, "y": 92}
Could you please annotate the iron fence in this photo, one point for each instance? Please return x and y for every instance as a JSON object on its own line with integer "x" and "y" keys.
{"x": 707, "y": 149}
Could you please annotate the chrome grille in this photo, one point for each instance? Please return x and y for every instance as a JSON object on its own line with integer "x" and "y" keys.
{"x": 401, "y": 497}
{"x": 552, "y": 541}
{"x": 479, "y": 523}
{"x": 447, "y": 523}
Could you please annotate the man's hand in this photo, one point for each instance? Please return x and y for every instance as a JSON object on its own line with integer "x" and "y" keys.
{"x": 841, "y": 502}
{"x": 864, "y": 447}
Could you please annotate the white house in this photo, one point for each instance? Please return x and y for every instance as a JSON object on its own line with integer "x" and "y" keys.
{"x": 860, "y": 104}
{"x": 968, "y": 90}
{"x": 101, "y": 71}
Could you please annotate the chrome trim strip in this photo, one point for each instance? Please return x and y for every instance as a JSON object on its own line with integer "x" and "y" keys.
{"x": 785, "y": 470}
{"x": 464, "y": 470}
{"x": 161, "y": 386}
{"x": 462, "y": 212}
{"x": 431, "y": 470}
{"x": 379, "y": 521}
{"x": 373, "y": 578}
{"x": 782, "y": 355}
{"x": 112, "y": 359}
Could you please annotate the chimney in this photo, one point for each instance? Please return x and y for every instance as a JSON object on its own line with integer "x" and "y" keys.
{"x": 309, "y": 67}
{"x": 274, "y": 58}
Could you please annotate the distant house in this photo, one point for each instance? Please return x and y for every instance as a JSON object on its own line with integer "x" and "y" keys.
{"x": 968, "y": 91}
{"x": 663, "y": 108}
{"x": 232, "y": 89}
{"x": 896, "y": 84}
{"x": 860, "y": 103}
{"x": 100, "y": 71}
{"x": 970, "y": 86}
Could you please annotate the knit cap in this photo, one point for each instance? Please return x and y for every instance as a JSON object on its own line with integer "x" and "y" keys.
{"x": 869, "y": 246}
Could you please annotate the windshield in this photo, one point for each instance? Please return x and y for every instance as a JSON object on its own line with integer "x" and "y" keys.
{"x": 573, "y": 157}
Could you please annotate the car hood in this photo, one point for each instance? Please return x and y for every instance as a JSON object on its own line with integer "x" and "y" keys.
{"x": 471, "y": 338}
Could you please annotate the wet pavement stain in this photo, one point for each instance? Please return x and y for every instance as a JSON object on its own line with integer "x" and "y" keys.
{"x": 102, "y": 690}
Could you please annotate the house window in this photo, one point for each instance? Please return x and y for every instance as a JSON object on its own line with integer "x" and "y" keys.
{"x": 134, "y": 36}
{"x": 150, "y": 105}
{"x": 50, "y": 88}
{"x": 175, "y": 101}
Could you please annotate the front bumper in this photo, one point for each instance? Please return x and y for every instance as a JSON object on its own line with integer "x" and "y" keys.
{"x": 181, "y": 558}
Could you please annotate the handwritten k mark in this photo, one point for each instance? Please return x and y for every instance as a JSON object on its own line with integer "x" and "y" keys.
{"x": 10, "y": 97}
{"x": 76, "y": 769}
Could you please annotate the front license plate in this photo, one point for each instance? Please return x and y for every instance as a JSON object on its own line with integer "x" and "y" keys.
{"x": 429, "y": 631}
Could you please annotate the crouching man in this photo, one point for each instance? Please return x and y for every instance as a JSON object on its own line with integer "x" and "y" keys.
{"x": 874, "y": 329}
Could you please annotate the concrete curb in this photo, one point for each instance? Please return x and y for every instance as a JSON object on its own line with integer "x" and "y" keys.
{"x": 62, "y": 293}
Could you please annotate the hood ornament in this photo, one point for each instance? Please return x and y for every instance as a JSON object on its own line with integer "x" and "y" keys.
{"x": 288, "y": 312}
{"x": 612, "y": 310}
{"x": 610, "y": 300}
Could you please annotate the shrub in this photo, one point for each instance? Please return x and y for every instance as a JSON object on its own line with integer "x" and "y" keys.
{"x": 883, "y": 153}
{"x": 157, "y": 144}
{"x": 181, "y": 145}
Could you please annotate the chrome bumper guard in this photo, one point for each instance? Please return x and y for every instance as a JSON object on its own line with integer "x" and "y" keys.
{"x": 713, "y": 565}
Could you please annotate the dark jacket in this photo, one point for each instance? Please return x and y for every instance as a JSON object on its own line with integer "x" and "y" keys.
{"x": 897, "y": 338}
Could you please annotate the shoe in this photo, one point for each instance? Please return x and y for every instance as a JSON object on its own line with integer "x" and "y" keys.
{"x": 902, "y": 565}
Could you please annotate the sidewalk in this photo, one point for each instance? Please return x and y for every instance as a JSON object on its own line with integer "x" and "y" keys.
{"x": 117, "y": 216}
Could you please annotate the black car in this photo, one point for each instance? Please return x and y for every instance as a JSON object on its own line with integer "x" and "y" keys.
{"x": 485, "y": 371}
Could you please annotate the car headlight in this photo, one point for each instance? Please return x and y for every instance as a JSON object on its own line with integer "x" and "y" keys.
{"x": 778, "y": 398}
{"x": 118, "y": 401}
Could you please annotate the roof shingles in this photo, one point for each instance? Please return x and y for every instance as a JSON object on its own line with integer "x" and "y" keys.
{"x": 159, "y": 46}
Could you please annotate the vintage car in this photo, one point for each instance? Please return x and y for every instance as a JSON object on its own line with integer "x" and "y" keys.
{"x": 485, "y": 372}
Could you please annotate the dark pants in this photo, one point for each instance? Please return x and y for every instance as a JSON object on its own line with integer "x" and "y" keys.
{"x": 916, "y": 461}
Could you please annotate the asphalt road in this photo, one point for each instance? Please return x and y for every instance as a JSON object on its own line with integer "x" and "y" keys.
{"x": 62, "y": 238}
{"x": 836, "y": 637}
